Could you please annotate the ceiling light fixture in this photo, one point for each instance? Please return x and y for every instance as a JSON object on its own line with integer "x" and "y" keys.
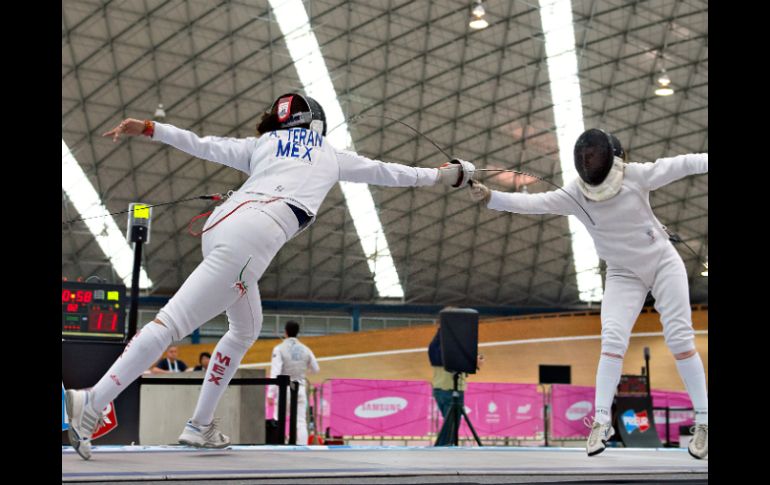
{"x": 160, "y": 113}
{"x": 664, "y": 85}
{"x": 477, "y": 17}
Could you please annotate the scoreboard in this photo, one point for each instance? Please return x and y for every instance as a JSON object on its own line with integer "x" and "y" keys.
{"x": 631, "y": 385}
{"x": 93, "y": 311}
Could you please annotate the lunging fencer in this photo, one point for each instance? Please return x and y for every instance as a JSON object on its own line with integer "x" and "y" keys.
{"x": 291, "y": 167}
{"x": 640, "y": 258}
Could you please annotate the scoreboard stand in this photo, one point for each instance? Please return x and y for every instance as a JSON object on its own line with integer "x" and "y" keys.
{"x": 632, "y": 409}
{"x": 93, "y": 336}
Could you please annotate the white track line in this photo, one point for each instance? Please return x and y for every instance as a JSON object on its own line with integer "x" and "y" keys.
{"x": 485, "y": 344}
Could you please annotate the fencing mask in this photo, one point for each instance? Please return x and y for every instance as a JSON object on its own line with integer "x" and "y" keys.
{"x": 291, "y": 110}
{"x": 599, "y": 162}
{"x": 617, "y": 148}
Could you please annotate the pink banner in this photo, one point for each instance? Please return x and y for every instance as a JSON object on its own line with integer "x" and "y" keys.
{"x": 569, "y": 406}
{"x": 364, "y": 407}
{"x": 672, "y": 399}
{"x": 503, "y": 410}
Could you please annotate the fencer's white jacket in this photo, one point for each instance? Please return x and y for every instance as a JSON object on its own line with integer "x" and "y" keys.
{"x": 297, "y": 164}
{"x": 293, "y": 358}
{"x": 627, "y": 234}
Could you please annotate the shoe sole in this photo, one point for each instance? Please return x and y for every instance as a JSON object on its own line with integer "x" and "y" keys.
{"x": 77, "y": 445}
{"x": 597, "y": 452}
{"x": 190, "y": 443}
{"x": 696, "y": 456}
{"x": 79, "y": 449}
{"x": 604, "y": 442}
{"x": 196, "y": 445}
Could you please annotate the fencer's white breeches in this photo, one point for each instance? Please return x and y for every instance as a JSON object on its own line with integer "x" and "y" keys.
{"x": 624, "y": 297}
{"x": 236, "y": 253}
{"x": 301, "y": 413}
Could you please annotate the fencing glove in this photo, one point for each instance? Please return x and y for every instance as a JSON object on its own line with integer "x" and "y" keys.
{"x": 480, "y": 192}
{"x": 456, "y": 173}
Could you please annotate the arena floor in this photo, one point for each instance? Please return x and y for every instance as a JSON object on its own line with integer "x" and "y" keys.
{"x": 372, "y": 465}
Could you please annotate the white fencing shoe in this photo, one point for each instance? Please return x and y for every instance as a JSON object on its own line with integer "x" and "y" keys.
{"x": 201, "y": 436}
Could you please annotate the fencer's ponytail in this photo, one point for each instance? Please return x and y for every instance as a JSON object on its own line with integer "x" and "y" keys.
{"x": 265, "y": 124}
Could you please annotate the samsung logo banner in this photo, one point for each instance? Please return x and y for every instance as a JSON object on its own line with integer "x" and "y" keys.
{"x": 579, "y": 410}
{"x": 378, "y": 408}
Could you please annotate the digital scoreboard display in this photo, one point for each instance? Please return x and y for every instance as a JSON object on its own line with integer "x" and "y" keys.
{"x": 93, "y": 311}
{"x": 631, "y": 386}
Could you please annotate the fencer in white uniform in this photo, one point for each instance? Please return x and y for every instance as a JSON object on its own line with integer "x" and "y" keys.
{"x": 291, "y": 167}
{"x": 639, "y": 256}
{"x": 295, "y": 359}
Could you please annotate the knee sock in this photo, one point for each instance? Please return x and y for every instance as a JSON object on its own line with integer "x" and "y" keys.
{"x": 224, "y": 362}
{"x": 694, "y": 377}
{"x": 141, "y": 352}
{"x": 607, "y": 378}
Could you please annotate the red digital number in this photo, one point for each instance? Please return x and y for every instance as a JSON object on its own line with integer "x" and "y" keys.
{"x": 102, "y": 320}
{"x": 65, "y": 296}
{"x": 87, "y": 296}
{"x": 72, "y": 307}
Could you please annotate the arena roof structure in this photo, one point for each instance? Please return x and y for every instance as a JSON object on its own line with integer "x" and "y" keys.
{"x": 483, "y": 95}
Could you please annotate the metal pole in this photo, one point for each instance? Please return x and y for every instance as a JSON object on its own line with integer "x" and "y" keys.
{"x": 470, "y": 425}
{"x": 283, "y": 383}
{"x": 545, "y": 414}
{"x": 455, "y": 411}
{"x": 356, "y": 313}
{"x": 320, "y": 427}
{"x": 294, "y": 387}
{"x": 647, "y": 366}
{"x": 134, "y": 308}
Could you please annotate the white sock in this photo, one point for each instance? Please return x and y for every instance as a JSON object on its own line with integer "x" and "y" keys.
{"x": 141, "y": 352}
{"x": 224, "y": 362}
{"x": 694, "y": 377}
{"x": 607, "y": 378}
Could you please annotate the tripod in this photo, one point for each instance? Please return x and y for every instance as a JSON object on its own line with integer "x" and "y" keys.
{"x": 451, "y": 427}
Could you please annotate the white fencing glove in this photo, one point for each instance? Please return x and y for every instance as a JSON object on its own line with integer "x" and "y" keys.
{"x": 480, "y": 192}
{"x": 456, "y": 173}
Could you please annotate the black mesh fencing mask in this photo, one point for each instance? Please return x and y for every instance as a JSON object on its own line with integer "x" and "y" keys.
{"x": 594, "y": 156}
{"x": 617, "y": 148}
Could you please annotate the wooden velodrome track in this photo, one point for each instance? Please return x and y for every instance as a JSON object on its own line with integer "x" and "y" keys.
{"x": 550, "y": 342}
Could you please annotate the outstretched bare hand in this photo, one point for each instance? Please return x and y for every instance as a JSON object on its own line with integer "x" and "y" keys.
{"x": 129, "y": 127}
